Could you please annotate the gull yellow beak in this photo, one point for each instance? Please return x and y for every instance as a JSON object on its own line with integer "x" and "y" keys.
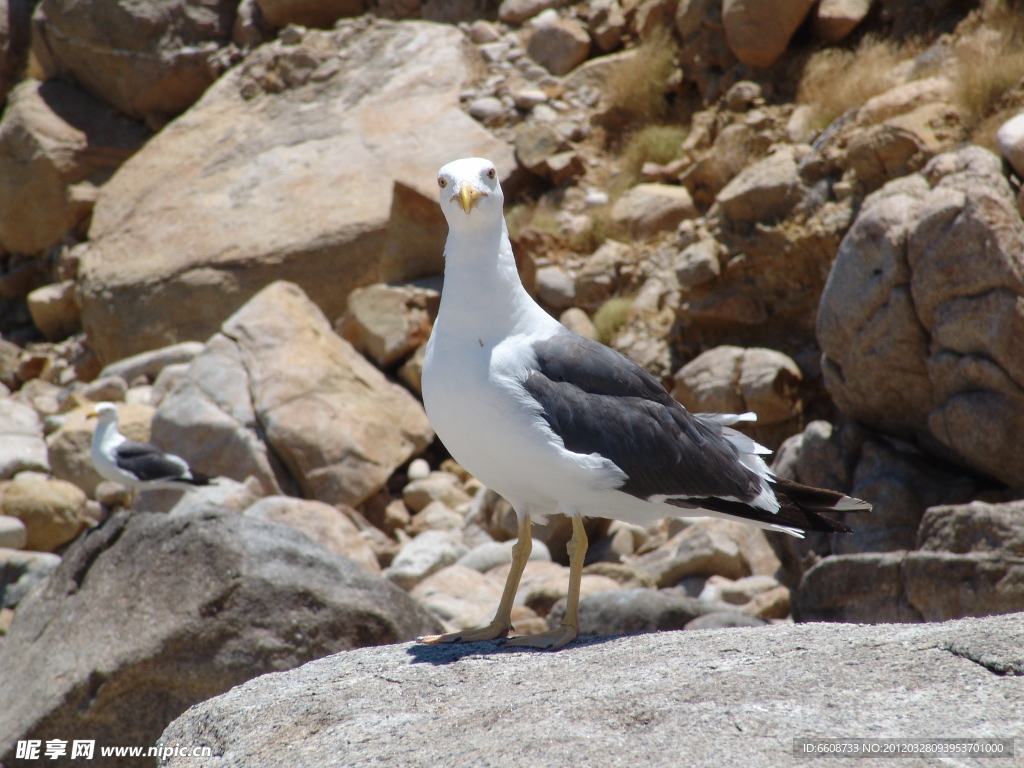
{"x": 468, "y": 196}
{"x": 92, "y": 415}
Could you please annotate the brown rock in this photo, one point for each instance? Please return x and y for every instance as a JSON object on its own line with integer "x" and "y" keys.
{"x": 606, "y": 23}
{"x": 387, "y": 322}
{"x": 863, "y": 588}
{"x": 542, "y": 595}
{"x": 463, "y": 597}
{"x": 56, "y": 144}
{"x": 578, "y": 321}
{"x": 648, "y": 209}
{"x": 375, "y": 220}
{"x": 835, "y": 19}
{"x": 147, "y": 59}
{"x": 921, "y": 314}
{"x": 338, "y": 425}
{"x": 309, "y": 13}
{"x": 598, "y": 278}
{"x": 758, "y": 31}
{"x": 560, "y": 47}
{"x": 439, "y": 486}
{"x": 55, "y": 310}
{"x": 53, "y": 511}
{"x": 411, "y": 372}
{"x": 320, "y": 522}
{"x": 436, "y": 516}
{"x": 69, "y": 446}
{"x": 518, "y": 11}
{"x": 764, "y": 191}
{"x": 770, "y": 604}
{"x": 701, "y": 549}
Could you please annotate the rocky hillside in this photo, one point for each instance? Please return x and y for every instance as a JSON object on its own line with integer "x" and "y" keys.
{"x": 222, "y": 217}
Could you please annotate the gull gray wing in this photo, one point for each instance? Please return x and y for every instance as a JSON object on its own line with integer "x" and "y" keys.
{"x": 147, "y": 462}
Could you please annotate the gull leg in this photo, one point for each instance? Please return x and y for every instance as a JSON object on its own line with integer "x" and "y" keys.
{"x": 503, "y": 618}
{"x": 554, "y": 639}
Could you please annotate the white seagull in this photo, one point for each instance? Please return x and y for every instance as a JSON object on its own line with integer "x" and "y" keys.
{"x": 555, "y": 422}
{"x": 138, "y": 466}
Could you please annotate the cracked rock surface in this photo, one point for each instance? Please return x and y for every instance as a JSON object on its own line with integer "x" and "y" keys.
{"x": 696, "y": 698}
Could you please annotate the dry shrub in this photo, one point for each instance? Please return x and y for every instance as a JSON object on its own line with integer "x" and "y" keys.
{"x": 610, "y": 317}
{"x": 989, "y": 63}
{"x": 835, "y": 79}
{"x": 654, "y": 144}
{"x": 637, "y": 88}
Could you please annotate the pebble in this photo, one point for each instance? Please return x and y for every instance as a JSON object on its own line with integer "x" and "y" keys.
{"x": 487, "y": 109}
{"x": 492, "y": 554}
{"x": 528, "y": 98}
{"x": 595, "y": 197}
{"x": 418, "y": 469}
{"x": 428, "y": 553}
{"x": 13, "y": 534}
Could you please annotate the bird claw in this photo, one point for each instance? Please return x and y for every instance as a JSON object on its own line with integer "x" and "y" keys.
{"x": 490, "y": 632}
{"x": 551, "y": 640}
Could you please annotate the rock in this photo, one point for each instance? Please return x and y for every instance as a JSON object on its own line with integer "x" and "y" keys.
{"x": 488, "y": 110}
{"x": 944, "y": 586}
{"x": 55, "y": 310}
{"x": 462, "y": 597}
{"x": 377, "y": 220}
{"x": 20, "y": 571}
{"x": 41, "y": 395}
{"x": 904, "y": 98}
{"x": 916, "y": 322}
{"x": 759, "y": 31}
{"x": 863, "y": 588}
{"x": 146, "y": 59}
{"x": 606, "y": 22}
{"x": 438, "y": 486}
{"x": 599, "y": 277}
{"x": 10, "y": 354}
{"x": 742, "y": 96}
{"x": 56, "y": 144}
{"x": 578, "y": 321}
{"x": 21, "y": 440}
{"x": 536, "y": 144}
{"x": 428, "y": 553}
{"x": 771, "y": 604}
{"x": 13, "y": 534}
{"x": 518, "y": 11}
{"x": 436, "y": 516}
{"x": 166, "y": 381}
{"x": 698, "y": 263}
{"x": 68, "y": 447}
{"x": 835, "y": 19}
{"x": 723, "y": 619}
{"x": 388, "y": 322}
{"x": 491, "y": 554}
{"x": 559, "y": 47}
{"x": 309, "y": 13}
{"x": 142, "y": 394}
{"x": 15, "y": 23}
{"x": 481, "y": 32}
{"x": 648, "y": 209}
{"x": 322, "y": 523}
{"x": 737, "y": 592}
{"x": 150, "y": 364}
{"x": 411, "y": 372}
{"x": 419, "y": 469}
{"x": 222, "y": 494}
{"x": 53, "y": 511}
{"x": 765, "y": 191}
{"x": 332, "y": 418}
{"x": 556, "y": 287}
{"x": 208, "y": 419}
{"x": 736, "y": 380}
{"x": 701, "y": 549}
{"x": 1010, "y": 139}
{"x": 228, "y": 596}
{"x": 631, "y": 611}
{"x": 111, "y": 389}
{"x": 528, "y": 98}
{"x": 974, "y": 527}
{"x": 729, "y": 678}
{"x": 541, "y": 595}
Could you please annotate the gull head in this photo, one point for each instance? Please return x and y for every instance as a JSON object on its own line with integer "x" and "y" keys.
{"x": 470, "y": 194}
{"x": 105, "y": 412}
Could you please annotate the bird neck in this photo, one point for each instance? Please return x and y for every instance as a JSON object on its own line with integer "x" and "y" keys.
{"x": 106, "y": 435}
{"x": 483, "y": 294}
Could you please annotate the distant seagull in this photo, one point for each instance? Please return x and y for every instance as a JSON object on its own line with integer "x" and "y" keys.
{"x": 555, "y": 422}
{"x": 138, "y": 466}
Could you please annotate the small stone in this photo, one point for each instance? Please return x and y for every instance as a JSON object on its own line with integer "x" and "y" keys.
{"x": 53, "y": 511}
{"x": 481, "y": 32}
{"x": 112, "y": 495}
{"x": 20, "y": 571}
{"x": 1010, "y": 139}
{"x": 835, "y": 19}
{"x": 742, "y": 96}
{"x": 428, "y": 553}
{"x": 648, "y": 209}
{"x": 150, "y": 364}
{"x": 555, "y": 287}
{"x": 606, "y": 22}
{"x": 461, "y": 596}
{"x": 771, "y": 604}
{"x": 109, "y": 389}
{"x": 437, "y": 486}
{"x": 21, "y": 440}
{"x": 492, "y": 554}
{"x": 436, "y": 516}
{"x": 419, "y": 469}
{"x": 13, "y": 534}
{"x": 411, "y": 372}
{"x": 388, "y": 322}
{"x": 724, "y": 619}
{"x": 519, "y": 11}
{"x": 487, "y": 110}
{"x": 141, "y": 394}
{"x": 55, "y": 310}
{"x": 494, "y": 52}
{"x": 698, "y": 263}
{"x": 560, "y": 47}
{"x": 528, "y": 98}
{"x": 594, "y": 198}
{"x": 578, "y": 321}
{"x": 737, "y": 592}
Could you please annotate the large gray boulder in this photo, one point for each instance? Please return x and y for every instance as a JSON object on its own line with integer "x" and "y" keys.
{"x": 921, "y": 318}
{"x": 149, "y": 615}
{"x": 700, "y": 698}
{"x": 313, "y": 162}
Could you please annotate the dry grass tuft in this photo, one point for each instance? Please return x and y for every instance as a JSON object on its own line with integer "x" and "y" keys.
{"x": 654, "y": 144}
{"x": 638, "y": 88}
{"x": 835, "y": 80}
{"x": 610, "y": 317}
{"x": 989, "y": 63}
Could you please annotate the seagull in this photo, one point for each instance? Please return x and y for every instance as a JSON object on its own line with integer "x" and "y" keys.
{"x": 555, "y": 422}
{"x": 138, "y": 466}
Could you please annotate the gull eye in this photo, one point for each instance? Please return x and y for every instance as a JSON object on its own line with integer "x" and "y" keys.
{"x": 442, "y": 182}
{"x": 491, "y": 173}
